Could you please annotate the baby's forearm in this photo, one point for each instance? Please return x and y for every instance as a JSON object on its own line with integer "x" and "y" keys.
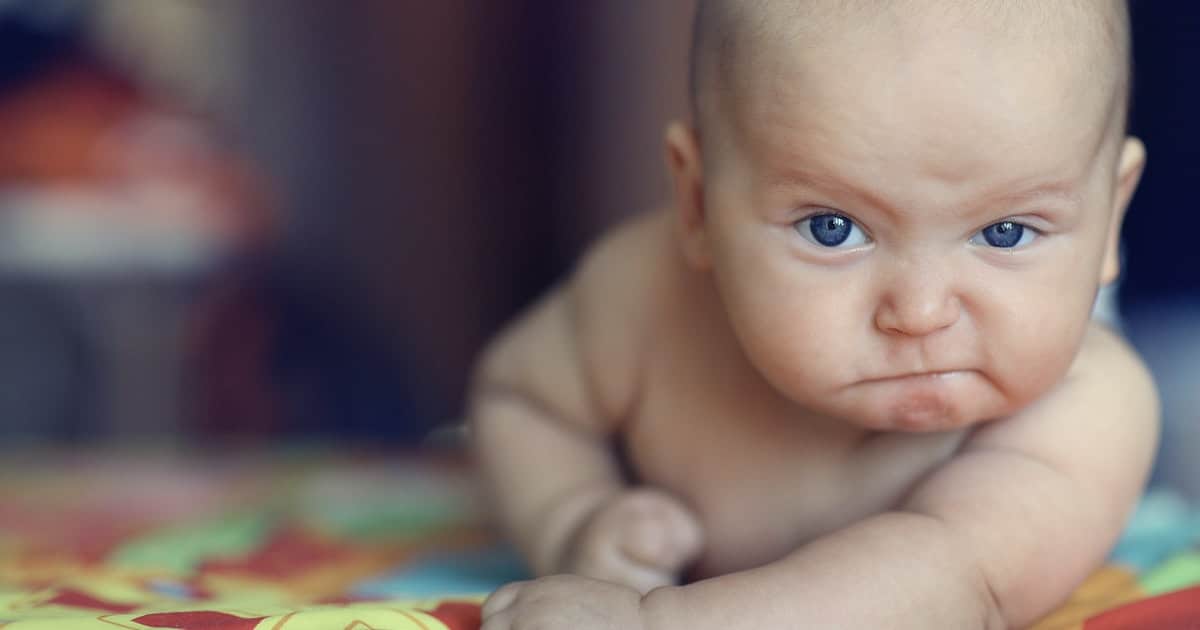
{"x": 544, "y": 478}
{"x": 895, "y": 570}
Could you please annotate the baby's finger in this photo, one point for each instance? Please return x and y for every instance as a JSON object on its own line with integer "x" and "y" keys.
{"x": 501, "y": 599}
{"x": 646, "y": 539}
{"x": 687, "y": 539}
{"x": 644, "y": 579}
{"x": 498, "y": 621}
{"x": 664, "y": 537}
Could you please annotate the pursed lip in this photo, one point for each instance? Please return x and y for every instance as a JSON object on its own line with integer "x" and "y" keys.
{"x": 917, "y": 376}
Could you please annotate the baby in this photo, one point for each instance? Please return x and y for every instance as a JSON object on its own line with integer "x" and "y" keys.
{"x": 849, "y": 378}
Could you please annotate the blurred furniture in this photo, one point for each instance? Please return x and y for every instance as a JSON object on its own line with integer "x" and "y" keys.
{"x": 114, "y": 211}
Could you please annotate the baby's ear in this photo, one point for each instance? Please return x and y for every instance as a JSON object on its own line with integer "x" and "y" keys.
{"x": 687, "y": 184}
{"x": 1129, "y": 172}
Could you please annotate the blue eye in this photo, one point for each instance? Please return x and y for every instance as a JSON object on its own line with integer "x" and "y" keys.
{"x": 831, "y": 230}
{"x": 1005, "y": 235}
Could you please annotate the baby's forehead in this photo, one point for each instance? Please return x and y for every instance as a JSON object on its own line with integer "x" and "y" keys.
{"x": 741, "y": 45}
{"x": 924, "y": 122}
{"x": 873, "y": 121}
{"x": 765, "y": 33}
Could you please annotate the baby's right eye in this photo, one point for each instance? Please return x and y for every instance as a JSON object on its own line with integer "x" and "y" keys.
{"x": 831, "y": 230}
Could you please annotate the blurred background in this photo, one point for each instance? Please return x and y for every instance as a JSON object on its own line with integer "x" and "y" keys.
{"x": 250, "y": 221}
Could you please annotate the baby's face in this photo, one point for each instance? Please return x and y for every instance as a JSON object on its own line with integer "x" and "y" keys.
{"x": 910, "y": 235}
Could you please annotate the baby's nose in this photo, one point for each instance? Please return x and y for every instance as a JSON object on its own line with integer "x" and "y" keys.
{"x": 917, "y": 302}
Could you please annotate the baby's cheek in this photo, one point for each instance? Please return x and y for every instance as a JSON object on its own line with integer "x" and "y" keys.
{"x": 822, "y": 352}
{"x": 792, "y": 335}
{"x": 1041, "y": 360}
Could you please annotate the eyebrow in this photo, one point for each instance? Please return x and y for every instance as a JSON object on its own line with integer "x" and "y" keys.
{"x": 1063, "y": 192}
{"x": 793, "y": 177}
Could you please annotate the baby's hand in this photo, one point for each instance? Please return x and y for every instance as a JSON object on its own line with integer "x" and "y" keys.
{"x": 643, "y": 539}
{"x": 563, "y": 601}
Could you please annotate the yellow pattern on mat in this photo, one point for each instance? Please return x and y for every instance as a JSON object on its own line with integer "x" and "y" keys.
{"x": 1106, "y": 589}
{"x": 393, "y": 615}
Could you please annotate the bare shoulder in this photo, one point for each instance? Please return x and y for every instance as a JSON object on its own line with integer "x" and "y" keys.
{"x": 1104, "y": 349}
{"x": 1101, "y": 424}
{"x": 617, "y": 296}
{"x": 576, "y": 351}
{"x": 1106, "y": 372}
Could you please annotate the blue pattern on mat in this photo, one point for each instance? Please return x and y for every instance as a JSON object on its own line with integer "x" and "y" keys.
{"x": 1163, "y": 525}
{"x": 448, "y": 575}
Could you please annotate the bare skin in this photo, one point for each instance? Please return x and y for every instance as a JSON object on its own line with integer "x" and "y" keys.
{"x": 913, "y": 427}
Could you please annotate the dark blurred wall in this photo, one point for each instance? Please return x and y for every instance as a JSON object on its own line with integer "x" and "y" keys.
{"x": 444, "y": 162}
{"x": 1163, "y": 260}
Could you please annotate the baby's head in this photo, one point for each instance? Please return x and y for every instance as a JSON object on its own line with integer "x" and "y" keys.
{"x": 907, "y": 206}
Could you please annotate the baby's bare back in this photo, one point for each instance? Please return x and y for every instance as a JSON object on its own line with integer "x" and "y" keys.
{"x": 762, "y": 475}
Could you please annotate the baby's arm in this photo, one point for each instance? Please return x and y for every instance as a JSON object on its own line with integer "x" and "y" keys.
{"x": 548, "y": 397}
{"x": 539, "y": 441}
{"x": 993, "y": 539}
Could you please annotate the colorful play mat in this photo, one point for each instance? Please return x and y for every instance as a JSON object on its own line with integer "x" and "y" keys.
{"x": 314, "y": 539}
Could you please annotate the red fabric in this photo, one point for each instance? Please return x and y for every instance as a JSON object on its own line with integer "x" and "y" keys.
{"x": 459, "y": 615}
{"x": 1174, "y": 611}
{"x": 198, "y": 620}
{"x": 79, "y": 599}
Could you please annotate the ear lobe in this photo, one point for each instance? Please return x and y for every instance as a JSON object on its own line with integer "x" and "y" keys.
{"x": 1129, "y": 173}
{"x": 687, "y": 176}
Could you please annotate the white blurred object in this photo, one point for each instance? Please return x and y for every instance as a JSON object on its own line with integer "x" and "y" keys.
{"x": 183, "y": 49}
{"x": 1105, "y": 308}
{"x": 1168, "y": 336}
{"x": 89, "y": 231}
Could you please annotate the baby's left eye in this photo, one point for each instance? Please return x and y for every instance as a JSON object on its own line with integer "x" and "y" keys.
{"x": 1005, "y": 235}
